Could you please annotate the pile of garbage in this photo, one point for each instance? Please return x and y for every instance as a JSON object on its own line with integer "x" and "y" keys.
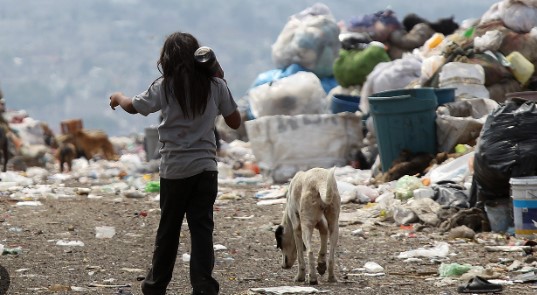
{"x": 455, "y": 146}
{"x": 322, "y": 106}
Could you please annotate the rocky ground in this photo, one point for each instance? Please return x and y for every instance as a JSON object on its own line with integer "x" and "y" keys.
{"x": 37, "y": 262}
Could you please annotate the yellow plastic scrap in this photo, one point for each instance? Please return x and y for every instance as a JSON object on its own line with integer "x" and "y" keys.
{"x": 521, "y": 67}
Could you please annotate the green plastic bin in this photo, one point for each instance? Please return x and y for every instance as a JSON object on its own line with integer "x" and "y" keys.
{"x": 444, "y": 95}
{"x": 404, "y": 119}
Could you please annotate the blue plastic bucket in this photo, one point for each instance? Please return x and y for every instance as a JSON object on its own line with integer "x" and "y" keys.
{"x": 344, "y": 103}
{"x": 524, "y": 195}
{"x": 404, "y": 119}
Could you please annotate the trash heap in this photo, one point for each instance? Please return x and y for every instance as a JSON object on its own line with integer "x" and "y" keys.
{"x": 435, "y": 115}
{"x": 430, "y": 125}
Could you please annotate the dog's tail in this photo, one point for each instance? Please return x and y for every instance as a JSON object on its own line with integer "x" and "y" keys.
{"x": 327, "y": 194}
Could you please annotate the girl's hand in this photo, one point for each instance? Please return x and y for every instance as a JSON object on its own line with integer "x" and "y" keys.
{"x": 114, "y": 100}
{"x": 120, "y": 99}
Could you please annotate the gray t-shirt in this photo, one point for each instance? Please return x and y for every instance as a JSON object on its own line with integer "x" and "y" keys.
{"x": 188, "y": 145}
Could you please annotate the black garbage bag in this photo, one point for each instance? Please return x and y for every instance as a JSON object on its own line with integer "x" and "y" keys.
{"x": 451, "y": 195}
{"x": 507, "y": 148}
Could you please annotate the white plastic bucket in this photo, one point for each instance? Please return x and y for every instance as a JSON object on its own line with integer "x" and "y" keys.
{"x": 524, "y": 194}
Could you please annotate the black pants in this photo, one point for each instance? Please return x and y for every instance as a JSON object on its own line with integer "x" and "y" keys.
{"x": 193, "y": 196}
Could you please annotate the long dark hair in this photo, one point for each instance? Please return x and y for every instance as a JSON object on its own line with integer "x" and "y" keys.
{"x": 188, "y": 82}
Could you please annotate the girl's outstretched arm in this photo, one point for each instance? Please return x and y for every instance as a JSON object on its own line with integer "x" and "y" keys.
{"x": 125, "y": 102}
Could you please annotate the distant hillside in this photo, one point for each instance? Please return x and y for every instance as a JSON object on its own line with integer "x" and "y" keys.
{"x": 61, "y": 59}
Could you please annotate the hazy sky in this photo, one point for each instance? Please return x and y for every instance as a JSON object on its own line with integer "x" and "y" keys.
{"x": 269, "y": 17}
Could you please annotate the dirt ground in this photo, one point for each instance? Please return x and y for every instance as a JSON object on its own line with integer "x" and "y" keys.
{"x": 250, "y": 258}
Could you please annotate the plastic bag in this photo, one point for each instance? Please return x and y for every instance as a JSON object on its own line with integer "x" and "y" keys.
{"x": 354, "y": 40}
{"x": 378, "y": 25}
{"x": 506, "y": 149}
{"x": 491, "y": 40}
{"x": 311, "y": 39}
{"x": 431, "y": 65}
{"x": 461, "y": 122}
{"x": 453, "y": 269}
{"x": 300, "y": 93}
{"x": 152, "y": 187}
{"x": 517, "y": 15}
{"x": 353, "y": 66}
{"x": 347, "y": 191}
{"x": 452, "y": 171}
{"x": 395, "y": 74}
{"x": 426, "y": 210}
{"x": 405, "y": 186}
{"x": 278, "y": 142}
{"x": 451, "y": 195}
{"x": 440, "y": 250}
{"x": 469, "y": 79}
{"x": 276, "y": 74}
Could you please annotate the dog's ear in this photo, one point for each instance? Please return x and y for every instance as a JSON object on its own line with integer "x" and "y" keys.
{"x": 279, "y": 233}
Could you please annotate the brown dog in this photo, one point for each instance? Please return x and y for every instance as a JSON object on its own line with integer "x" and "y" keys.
{"x": 92, "y": 143}
{"x": 313, "y": 201}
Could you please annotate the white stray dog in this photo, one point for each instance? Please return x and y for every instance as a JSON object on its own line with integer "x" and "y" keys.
{"x": 313, "y": 201}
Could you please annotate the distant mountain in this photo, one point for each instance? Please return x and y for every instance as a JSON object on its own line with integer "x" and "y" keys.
{"x": 61, "y": 59}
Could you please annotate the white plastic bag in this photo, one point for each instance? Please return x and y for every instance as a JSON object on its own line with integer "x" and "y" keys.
{"x": 491, "y": 40}
{"x": 430, "y": 65}
{"x": 284, "y": 145}
{"x": 440, "y": 250}
{"x": 452, "y": 130}
{"x": 468, "y": 79}
{"x": 347, "y": 191}
{"x": 300, "y": 93}
{"x": 391, "y": 75}
{"x": 455, "y": 170}
{"x": 519, "y": 15}
{"x": 310, "y": 39}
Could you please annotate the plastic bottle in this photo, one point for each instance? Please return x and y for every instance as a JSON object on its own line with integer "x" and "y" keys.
{"x": 521, "y": 67}
{"x": 469, "y": 33}
{"x": 434, "y": 41}
{"x": 205, "y": 56}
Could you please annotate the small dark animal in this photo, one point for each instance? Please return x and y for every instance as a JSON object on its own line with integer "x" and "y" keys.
{"x": 4, "y": 142}
{"x": 65, "y": 154}
{"x": 446, "y": 26}
{"x": 412, "y": 19}
{"x": 408, "y": 164}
